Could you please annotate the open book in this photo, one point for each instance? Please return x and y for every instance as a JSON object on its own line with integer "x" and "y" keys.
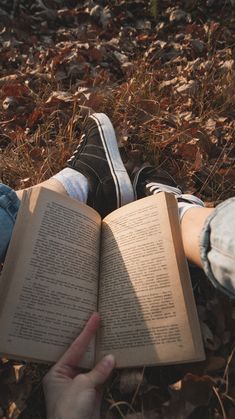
{"x": 64, "y": 263}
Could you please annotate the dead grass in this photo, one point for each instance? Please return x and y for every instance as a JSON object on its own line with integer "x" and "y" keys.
{"x": 154, "y": 124}
{"x": 153, "y": 121}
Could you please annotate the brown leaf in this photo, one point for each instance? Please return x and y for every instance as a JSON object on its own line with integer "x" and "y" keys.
{"x": 59, "y": 96}
{"x": 195, "y": 389}
{"x": 34, "y": 117}
{"x": 142, "y": 37}
{"x": 10, "y": 78}
{"x": 19, "y": 370}
{"x": 214, "y": 363}
{"x": 198, "y": 160}
{"x": 14, "y": 89}
{"x": 190, "y": 150}
{"x": 189, "y": 88}
{"x": 14, "y": 374}
{"x": 13, "y": 412}
{"x": 36, "y": 154}
{"x": 178, "y": 15}
{"x": 167, "y": 83}
{"x": 96, "y": 54}
{"x": 210, "y": 124}
{"x": 149, "y": 106}
{"x": 95, "y": 101}
{"x": 7, "y": 121}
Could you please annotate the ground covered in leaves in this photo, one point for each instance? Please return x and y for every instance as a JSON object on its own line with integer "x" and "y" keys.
{"x": 164, "y": 73}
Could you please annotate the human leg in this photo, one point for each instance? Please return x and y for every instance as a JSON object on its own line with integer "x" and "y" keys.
{"x": 95, "y": 172}
{"x": 209, "y": 241}
{"x": 9, "y": 205}
{"x": 217, "y": 247}
{"x": 191, "y": 227}
{"x": 67, "y": 182}
{"x": 208, "y": 233}
{"x": 94, "y": 175}
{"x": 97, "y": 157}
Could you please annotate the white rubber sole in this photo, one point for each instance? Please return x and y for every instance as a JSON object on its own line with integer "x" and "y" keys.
{"x": 124, "y": 189}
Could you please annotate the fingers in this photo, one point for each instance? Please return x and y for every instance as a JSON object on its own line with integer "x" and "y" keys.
{"x": 74, "y": 353}
{"x": 102, "y": 370}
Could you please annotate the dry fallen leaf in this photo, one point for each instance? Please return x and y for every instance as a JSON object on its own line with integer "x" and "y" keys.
{"x": 189, "y": 88}
{"x": 59, "y": 96}
{"x": 214, "y": 363}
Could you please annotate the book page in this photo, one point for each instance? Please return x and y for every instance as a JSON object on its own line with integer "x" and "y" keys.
{"x": 50, "y": 276}
{"x": 141, "y": 300}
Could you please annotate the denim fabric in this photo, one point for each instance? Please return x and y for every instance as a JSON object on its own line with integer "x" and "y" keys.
{"x": 217, "y": 243}
{"x": 9, "y": 205}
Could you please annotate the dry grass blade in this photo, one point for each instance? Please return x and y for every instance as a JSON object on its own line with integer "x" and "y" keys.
{"x": 226, "y": 370}
{"x": 137, "y": 388}
{"x": 220, "y": 402}
{"x": 117, "y": 405}
{"x": 218, "y": 163}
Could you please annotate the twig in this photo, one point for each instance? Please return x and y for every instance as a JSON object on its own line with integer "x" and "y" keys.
{"x": 220, "y": 402}
{"x": 117, "y": 404}
{"x": 227, "y": 368}
{"x": 137, "y": 388}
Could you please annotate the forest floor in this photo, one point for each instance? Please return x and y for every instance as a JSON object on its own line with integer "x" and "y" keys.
{"x": 164, "y": 74}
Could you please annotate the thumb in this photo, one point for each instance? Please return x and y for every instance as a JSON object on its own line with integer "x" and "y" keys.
{"x": 102, "y": 370}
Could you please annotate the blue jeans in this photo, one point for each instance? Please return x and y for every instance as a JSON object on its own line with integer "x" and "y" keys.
{"x": 9, "y": 205}
{"x": 217, "y": 244}
{"x": 217, "y": 241}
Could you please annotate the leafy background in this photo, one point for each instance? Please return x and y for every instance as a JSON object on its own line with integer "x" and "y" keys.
{"x": 164, "y": 73}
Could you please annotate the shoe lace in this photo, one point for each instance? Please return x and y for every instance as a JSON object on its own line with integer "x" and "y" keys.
{"x": 77, "y": 150}
{"x": 154, "y": 188}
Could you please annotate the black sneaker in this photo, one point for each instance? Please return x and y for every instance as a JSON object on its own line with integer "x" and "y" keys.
{"x": 97, "y": 157}
{"x": 149, "y": 180}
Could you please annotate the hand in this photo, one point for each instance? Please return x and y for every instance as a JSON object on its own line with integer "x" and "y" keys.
{"x": 70, "y": 395}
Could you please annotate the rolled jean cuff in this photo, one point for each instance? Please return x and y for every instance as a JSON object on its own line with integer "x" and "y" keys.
{"x": 9, "y": 205}
{"x": 217, "y": 247}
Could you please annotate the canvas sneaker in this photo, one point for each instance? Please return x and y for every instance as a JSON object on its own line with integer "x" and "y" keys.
{"x": 97, "y": 157}
{"x": 150, "y": 180}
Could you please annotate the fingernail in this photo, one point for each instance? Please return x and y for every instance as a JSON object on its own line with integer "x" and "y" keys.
{"x": 108, "y": 361}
